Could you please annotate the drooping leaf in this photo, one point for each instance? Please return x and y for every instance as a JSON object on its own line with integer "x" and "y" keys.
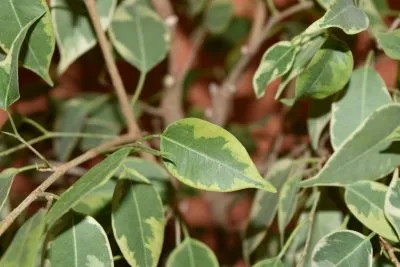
{"x": 9, "y": 87}
{"x": 205, "y": 156}
{"x": 190, "y": 253}
{"x": 218, "y": 16}
{"x": 73, "y": 28}
{"x": 147, "y": 43}
{"x": 303, "y": 57}
{"x": 366, "y": 154}
{"x": 341, "y": 249}
{"x": 328, "y": 72}
{"x": 273, "y": 262}
{"x": 287, "y": 201}
{"x": 389, "y": 42}
{"x": 264, "y": 207}
{"x": 319, "y": 115}
{"x": 25, "y": 247}
{"x": 14, "y": 16}
{"x": 6, "y": 179}
{"x": 276, "y": 61}
{"x": 94, "y": 178}
{"x": 366, "y": 200}
{"x": 138, "y": 222}
{"x": 392, "y": 203}
{"x": 343, "y": 14}
{"x": 365, "y": 93}
{"x": 79, "y": 241}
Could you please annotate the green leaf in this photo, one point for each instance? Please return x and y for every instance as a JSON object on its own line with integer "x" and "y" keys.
{"x": 276, "y": 61}
{"x": 73, "y": 29}
{"x": 342, "y": 249}
{"x": 25, "y": 249}
{"x": 319, "y": 115}
{"x": 195, "y": 6}
{"x": 325, "y": 3}
{"x": 264, "y": 207}
{"x": 206, "y": 156}
{"x": 366, "y": 202}
{"x": 9, "y": 87}
{"x": 303, "y": 57}
{"x": 392, "y": 203}
{"x": 342, "y": 14}
{"x": 273, "y": 262}
{"x": 365, "y": 93}
{"x": 147, "y": 43}
{"x": 191, "y": 253}
{"x": 79, "y": 241}
{"x": 218, "y": 16}
{"x": 6, "y": 179}
{"x": 287, "y": 201}
{"x": 95, "y": 177}
{"x": 328, "y": 72}
{"x": 15, "y": 15}
{"x": 138, "y": 222}
{"x": 366, "y": 154}
{"x": 375, "y": 19}
{"x": 389, "y": 42}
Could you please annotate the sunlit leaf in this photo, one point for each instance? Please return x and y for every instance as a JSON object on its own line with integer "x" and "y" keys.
{"x": 218, "y": 16}
{"x": 6, "y": 179}
{"x": 205, "y": 156}
{"x": 14, "y": 16}
{"x": 389, "y": 41}
{"x": 73, "y": 28}
{"x": 366, "y": 154}
{"x": 276, "y": 61}
{"x": 365, "y": 93}
{"x": 147, "y": 43}
{"x": 328, "y": 72}
{"x": 342, "y": 249}
{"x": 79, "y": 241}
{"x": 392, "y": 203}
{"x": 26, "y": 244}
{"x": 138, "y": 222}
{"x": 95, "y": 177}
{"x": 366, "y": 200}
{"x": 190, "y": 253}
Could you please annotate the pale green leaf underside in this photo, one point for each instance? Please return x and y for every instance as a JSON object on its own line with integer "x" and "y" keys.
{"x": 392, "y": 203}
{"x": 366, "y": 201}
{"x": 6, "y": 179}
{"x": 191, "y": 253}
{"x": 365, "y": 93}
{"x": 366, "y": 154}
{"x": 390, "y": 43}
{"x": 148, "y": 40}
{"x": 276, "y": 61}
{"x": 343, "y": 14}
{"x": 328, "y": 72}
{"x": 14, "y": 15}
{"x": 138, "y": 222}
{"x": 342, "y": 249}
{"x": 218, "y": 16}
{"x": 73, "y": 29}
{"x": 79, "y": 241}
{"x": 206, "y": 156}
{"x": 264, "y": 207}
{"x": 95, "y": 177}
{"x": 24, "y": 250}
{"x": 9, "y": 86}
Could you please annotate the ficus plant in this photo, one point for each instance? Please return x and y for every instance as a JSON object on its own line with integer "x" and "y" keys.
{"x": 110, "y": 166}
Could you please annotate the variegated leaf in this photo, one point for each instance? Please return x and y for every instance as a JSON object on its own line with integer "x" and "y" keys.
{"x": 366, "y": 200}
{"x": 367, "y": 154}
{"x": 138, "y": 222}
{"x": 392, "y": 203}
{"x": 365, "y": 93}
{"x": 206, "y": 156}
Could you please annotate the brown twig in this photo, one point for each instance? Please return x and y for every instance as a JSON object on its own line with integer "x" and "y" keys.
{"x": 389, "y": 249}
{"x": 116, "y": 79}
{"x": 60, "y": 171}
{"x": 222, "y": 98}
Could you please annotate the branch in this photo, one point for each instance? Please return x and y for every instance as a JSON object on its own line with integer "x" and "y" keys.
{"x": 60, "y": 171}
{"x": 105, "y": 46}
{"x": 222, "y": 97}
{"x": 389, "y": 249}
